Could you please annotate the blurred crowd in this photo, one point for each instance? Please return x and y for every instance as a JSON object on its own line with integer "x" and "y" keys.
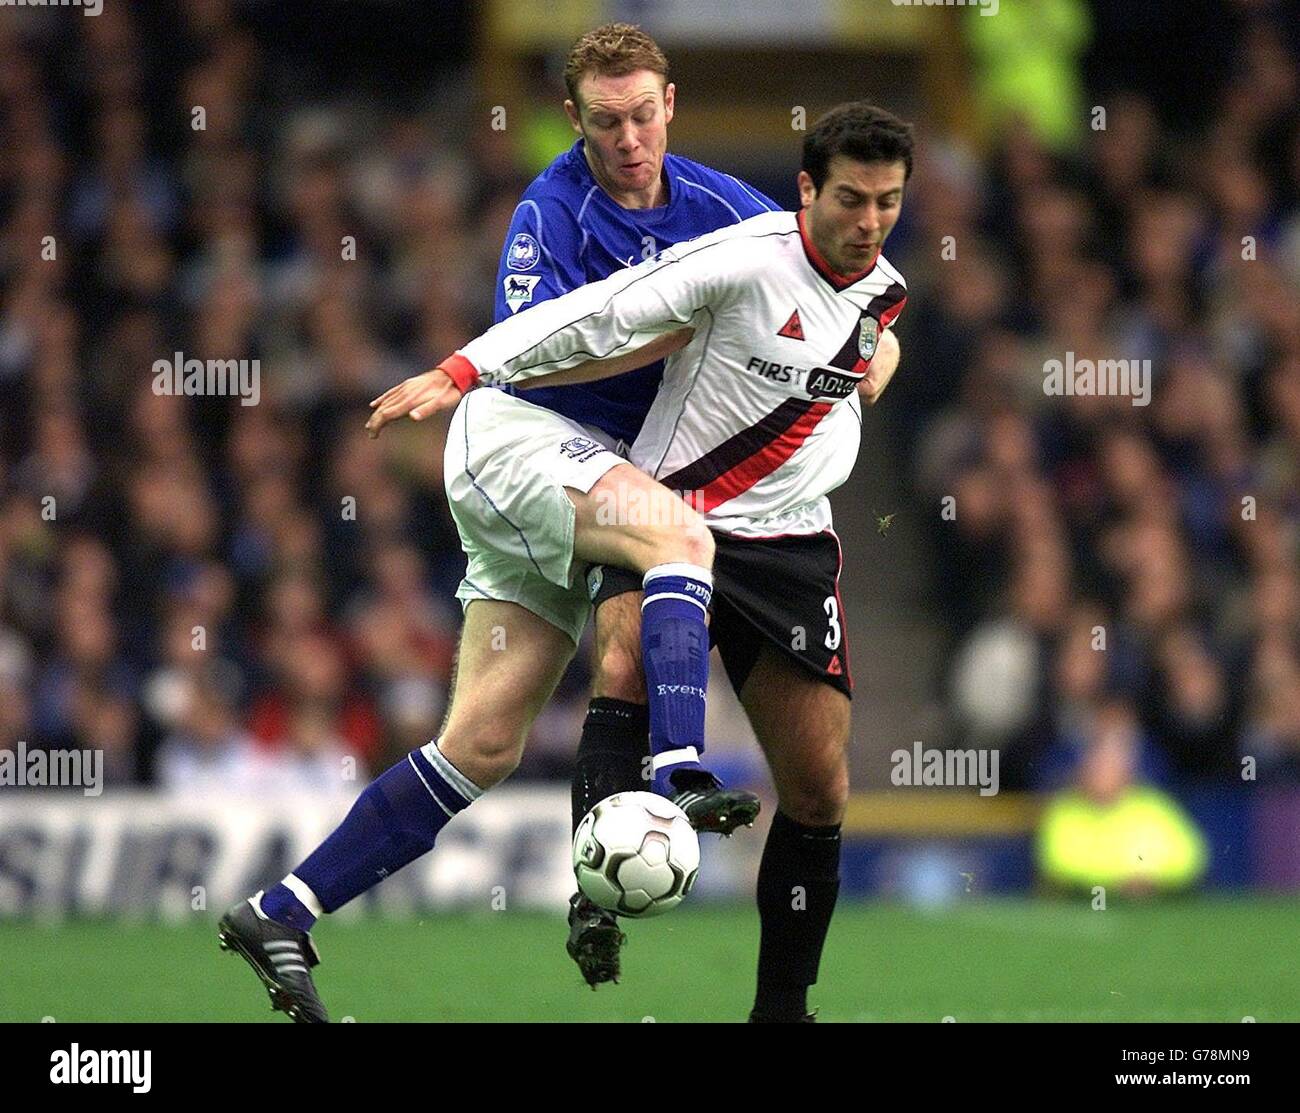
{"x": 256, "y": 595}
{"x": 259, "y": 595}
{"x": 1112, "y": 570}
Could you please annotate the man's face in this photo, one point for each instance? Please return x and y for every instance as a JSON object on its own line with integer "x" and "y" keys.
{"x": 855, "y": 210}
{"x": 625, "y": 123}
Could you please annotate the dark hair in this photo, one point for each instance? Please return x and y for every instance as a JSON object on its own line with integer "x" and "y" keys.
{"x": 859, "y": 131}
{"x": 613, "y": 50}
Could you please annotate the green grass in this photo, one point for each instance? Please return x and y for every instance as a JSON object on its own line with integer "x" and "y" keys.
{"x": 1212, "y": 960}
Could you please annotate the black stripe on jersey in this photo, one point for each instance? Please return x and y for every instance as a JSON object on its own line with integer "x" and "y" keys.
{"x": 885, "y": 301}
{"x": 739, "y": 447}
{"x": 848, "y": 357}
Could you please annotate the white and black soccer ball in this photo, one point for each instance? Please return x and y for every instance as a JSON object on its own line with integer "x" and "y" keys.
{"x": 636, "y": 853}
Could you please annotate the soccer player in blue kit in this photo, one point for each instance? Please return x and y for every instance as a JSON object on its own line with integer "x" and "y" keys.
{"x": 614, "y": 199}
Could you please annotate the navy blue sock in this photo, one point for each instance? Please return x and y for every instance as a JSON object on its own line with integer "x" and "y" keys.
{"x": 393, "y": 822}
{"x": 675, "y": 650}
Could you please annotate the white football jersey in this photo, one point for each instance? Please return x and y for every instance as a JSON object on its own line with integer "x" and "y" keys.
{"x": 758, "y": 417}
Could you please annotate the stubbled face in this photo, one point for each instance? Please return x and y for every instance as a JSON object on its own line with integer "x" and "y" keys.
{"x": 857, "y": 207}
{"x": 624, "y": 121}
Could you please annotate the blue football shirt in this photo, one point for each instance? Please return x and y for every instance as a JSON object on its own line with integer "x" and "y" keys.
{"x": 568, "y": 231}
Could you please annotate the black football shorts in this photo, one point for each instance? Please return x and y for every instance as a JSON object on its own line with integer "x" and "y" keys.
{"x": 781, "y": 590}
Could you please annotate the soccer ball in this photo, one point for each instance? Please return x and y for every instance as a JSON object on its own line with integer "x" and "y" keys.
{"x": 635, "y": 853}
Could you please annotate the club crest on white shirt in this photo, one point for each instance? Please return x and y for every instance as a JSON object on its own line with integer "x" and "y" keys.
{"x": 867, "y": 335}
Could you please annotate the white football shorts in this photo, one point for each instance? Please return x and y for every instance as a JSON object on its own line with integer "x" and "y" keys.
{"x": 506, "y": 466}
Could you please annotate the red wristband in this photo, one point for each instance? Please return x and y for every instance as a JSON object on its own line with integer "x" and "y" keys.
{"x": 461, "y": 372}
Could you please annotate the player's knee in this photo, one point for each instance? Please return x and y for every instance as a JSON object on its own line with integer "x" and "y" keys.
{"x": 499, "y": 755}
{"x": 697, "y": 541}
{"x": 486, "y": 754}
{"x": 817, "y": 803}
{"x": 688, "y": 542}
{"x": 619, "y": 674}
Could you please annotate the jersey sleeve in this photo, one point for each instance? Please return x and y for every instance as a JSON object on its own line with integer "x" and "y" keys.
{"x": 538, "y": 261}
{"x": 616, "y": 315}
{"x": 888, "y": 305}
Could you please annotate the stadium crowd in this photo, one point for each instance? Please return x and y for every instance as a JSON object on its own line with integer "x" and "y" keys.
{"x": 252, "y": 593}
{"x": 202, "y": 588}
{"x": 1112, "y": 568}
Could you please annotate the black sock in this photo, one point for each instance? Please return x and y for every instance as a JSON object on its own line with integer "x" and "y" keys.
{"x": 798, "y": 881}
{"x": 611, "y": 756}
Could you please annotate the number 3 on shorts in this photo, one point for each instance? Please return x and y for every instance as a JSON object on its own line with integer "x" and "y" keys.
{"x": 832, "y": 609}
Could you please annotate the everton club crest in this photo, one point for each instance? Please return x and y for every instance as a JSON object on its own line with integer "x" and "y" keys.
{"x": 867, "y": 334}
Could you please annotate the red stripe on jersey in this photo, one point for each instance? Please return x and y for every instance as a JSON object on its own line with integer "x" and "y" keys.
{"x": 763, "y": 462}
{"x": 893, "y": 311}
{"x": 737, "y": 448}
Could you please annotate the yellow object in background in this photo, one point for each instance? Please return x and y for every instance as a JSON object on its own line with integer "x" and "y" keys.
{"x": 546, "y": 135}
{"x": 1027, "y": 64}
{"x": 1142, "y": 836}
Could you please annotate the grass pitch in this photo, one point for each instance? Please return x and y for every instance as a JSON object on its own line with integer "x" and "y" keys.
{"x": 1201, "y": 960}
